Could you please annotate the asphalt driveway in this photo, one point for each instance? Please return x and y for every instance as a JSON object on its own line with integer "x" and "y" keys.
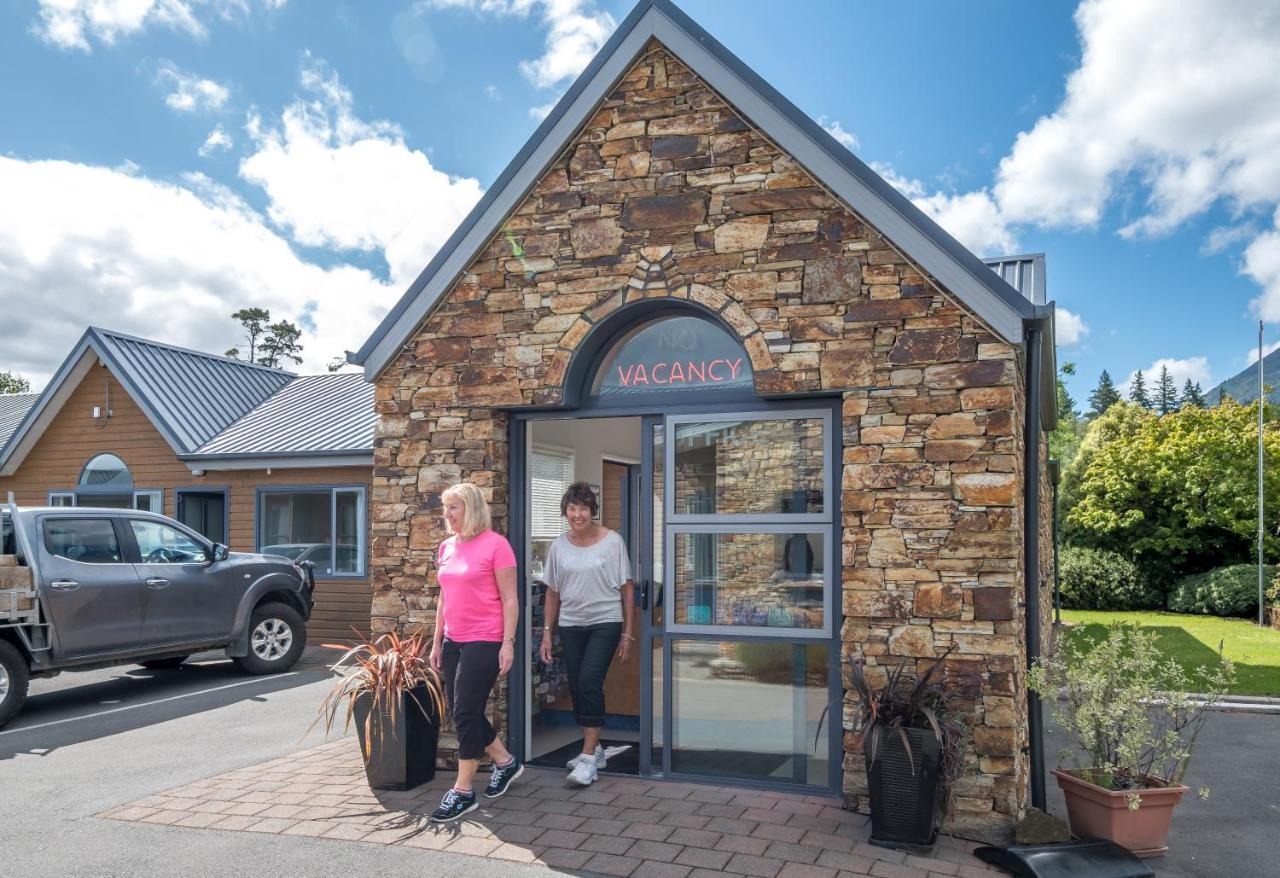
{"x": 91, "y": 741}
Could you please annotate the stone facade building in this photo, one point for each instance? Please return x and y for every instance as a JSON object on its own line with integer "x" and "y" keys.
{"x": 671, "y": 180}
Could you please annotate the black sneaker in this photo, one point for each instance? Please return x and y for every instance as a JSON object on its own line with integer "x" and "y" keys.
{"x": 502, "y": 778}
{"x": 454, "y": 805}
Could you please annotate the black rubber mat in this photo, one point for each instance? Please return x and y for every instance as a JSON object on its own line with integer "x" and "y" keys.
{"x": 1073, "y": 859}
{"x": 624, "y": 762}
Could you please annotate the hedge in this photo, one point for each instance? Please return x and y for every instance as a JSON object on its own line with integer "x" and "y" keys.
{"x": 1095, "y": 579}
{"x": 1224, "y": 591}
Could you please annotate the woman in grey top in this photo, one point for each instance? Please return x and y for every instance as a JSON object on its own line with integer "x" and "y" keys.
{"x": 590, "y": 595}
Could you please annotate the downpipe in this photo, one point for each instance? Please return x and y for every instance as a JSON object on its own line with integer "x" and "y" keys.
{"x": 1031, "y": 558}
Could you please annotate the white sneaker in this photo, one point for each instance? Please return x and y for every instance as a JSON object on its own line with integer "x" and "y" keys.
{"x": 584, "y": 773}
{"x": 601, "y": 759}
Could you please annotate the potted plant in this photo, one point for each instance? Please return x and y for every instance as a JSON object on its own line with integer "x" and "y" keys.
{"x": 395, "y": 697}
{"x": 1136, "y": 723}
{"x": 913, "y": 746}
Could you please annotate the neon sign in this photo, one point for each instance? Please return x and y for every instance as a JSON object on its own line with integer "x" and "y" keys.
{"x": 673, "y": 354}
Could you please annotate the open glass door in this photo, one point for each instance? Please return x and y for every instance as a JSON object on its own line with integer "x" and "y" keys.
{"x": 739, "y": 607}
{"x": 649, "y": 594}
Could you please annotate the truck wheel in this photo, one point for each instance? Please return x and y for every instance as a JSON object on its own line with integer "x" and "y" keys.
{"x": 277, "y": 637}
{"x": 14, "y": 676}
{"x": 165, "y": 664}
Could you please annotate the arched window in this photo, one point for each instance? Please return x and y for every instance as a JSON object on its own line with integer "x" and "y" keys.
{"x": 105, "y": 470}
{"x": 677, "y": 354}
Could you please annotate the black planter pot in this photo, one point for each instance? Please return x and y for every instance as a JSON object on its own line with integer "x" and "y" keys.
{"x": 403, "y": 755}
{"x": 905, "y": 805}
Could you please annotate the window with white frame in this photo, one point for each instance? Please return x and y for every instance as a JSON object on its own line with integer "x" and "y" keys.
{"x": 550, "y": 475}
{"x": 325, "y": 526}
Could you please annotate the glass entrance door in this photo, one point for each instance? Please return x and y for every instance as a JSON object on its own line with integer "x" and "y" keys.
{"x": 738, "y": 564}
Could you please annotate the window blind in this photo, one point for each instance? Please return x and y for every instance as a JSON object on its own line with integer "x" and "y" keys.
{"x": 550, "y": 475}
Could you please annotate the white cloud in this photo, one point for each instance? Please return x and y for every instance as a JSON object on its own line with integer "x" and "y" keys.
{"x": 1194, "y": 368}
{"x": 1262, "y": 264}
{"x": 541, "y": 111}
{"x": 576, "y": 30}
{"x": 847, "y": 139}
{"x": 68, "y": 24}
{"x": 167, "y": 260}
{"x": 1179, "y": 97}
{"x": 217, "y": 141}
{"x": 335, "y": 180}
{"x": 492, "y": 92}
{"x": 1252, "y": 356}
{"x": 972, "y": 218}
{"x": 1069, "y": 327}
{"x": 190, "y": 93}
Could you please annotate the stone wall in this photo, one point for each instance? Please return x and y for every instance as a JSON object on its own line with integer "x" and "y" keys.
{"x": 668, "y": 193}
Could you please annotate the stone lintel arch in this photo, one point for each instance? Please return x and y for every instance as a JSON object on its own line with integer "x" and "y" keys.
{"x": 591, "y": 339}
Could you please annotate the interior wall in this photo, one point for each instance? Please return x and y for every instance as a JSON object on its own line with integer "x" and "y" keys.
{"x": 592, "y": 440}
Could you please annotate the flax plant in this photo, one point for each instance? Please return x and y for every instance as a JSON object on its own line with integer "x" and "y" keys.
{"x": 382, "y": 670}
{"x": 1131, "y": 710}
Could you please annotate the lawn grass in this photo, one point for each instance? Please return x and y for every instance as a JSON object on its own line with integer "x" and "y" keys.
{"x": 1193, "y": 641}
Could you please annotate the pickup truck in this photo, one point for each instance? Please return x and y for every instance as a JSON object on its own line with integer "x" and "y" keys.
{"x": 84, "y": 588}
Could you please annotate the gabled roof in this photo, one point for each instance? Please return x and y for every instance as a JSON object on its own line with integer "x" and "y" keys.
{"x": 13, "y": 408}
{"x": 197, "y": 400}
{"x": 193, "y": 394}
{"x": 983, "y": 291}
{"x": 313, "y": 415}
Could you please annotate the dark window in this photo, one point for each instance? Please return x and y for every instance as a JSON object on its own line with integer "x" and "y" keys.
{"x": 322, "y": 525}
{"x": 87, "y": 540}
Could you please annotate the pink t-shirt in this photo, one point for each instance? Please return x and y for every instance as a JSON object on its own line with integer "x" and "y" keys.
{"x": 472, "y": 605}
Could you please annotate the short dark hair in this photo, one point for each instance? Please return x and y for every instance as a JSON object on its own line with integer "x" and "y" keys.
{"x": 580, "y": 494}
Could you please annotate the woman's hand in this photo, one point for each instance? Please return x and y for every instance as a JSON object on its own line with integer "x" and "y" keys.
{"x": 506, "y": 657}
{"x": 544, "y": 652}
{"x": 435, "y": 658}
{"x": 624, "y": 646}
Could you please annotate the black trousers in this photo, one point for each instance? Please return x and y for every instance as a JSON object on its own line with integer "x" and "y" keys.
{"x": 470, "y": 670}
{"x": 588, "y": 649}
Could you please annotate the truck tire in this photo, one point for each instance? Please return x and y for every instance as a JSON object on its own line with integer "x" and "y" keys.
{"x": 277, "y": 637}
{"x": 165, "y": 664}
{"x": 14, "y": 676}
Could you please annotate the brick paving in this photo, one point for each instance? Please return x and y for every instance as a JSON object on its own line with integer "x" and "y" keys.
{"x": 620, "y": 826}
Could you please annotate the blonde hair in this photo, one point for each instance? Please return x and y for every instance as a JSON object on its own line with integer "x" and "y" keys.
{"x": 475, "y": 511}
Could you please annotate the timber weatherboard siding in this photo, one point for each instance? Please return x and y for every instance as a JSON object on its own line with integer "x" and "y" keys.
{"x": 73, "y": 437}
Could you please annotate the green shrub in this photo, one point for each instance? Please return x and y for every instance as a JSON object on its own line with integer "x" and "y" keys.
{"x": 1095, "y": 579}
{"x": 1226, "y": 591}
{"x": 1273, "y": 591}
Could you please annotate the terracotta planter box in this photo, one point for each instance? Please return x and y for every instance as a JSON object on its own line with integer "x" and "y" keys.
{"x": 1094, "y": 812}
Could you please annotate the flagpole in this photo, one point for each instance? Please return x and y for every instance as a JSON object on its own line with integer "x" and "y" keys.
{"x": 1261, "y": 398}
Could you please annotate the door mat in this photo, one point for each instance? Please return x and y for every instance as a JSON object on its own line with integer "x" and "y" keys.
{"x": 624, "y": 756}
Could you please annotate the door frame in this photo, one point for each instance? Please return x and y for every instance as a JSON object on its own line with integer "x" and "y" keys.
{"x": 519, "y": 718}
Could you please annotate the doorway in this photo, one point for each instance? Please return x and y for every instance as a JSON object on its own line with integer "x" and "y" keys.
{"x": 731, "y": 523}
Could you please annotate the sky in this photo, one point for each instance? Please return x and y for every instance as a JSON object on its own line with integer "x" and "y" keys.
{"x": 166, "y": 162}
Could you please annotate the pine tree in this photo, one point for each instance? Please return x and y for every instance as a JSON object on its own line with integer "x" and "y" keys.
{"x": 1138, "y": 391}
{"x": 1191, "y": 395}
{"x": 279, "y": 344}
{"x": 1104, "y": 396}
{"x": 1166, "y": 392}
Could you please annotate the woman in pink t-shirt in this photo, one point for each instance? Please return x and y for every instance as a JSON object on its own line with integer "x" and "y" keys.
{"x": 474, "y": 640}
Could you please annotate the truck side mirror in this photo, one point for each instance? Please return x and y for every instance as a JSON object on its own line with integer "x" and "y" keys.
{"x": 219, "y": 552}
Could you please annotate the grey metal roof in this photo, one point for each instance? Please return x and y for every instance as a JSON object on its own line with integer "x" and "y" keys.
{"x": 1024, "y": 273}
{"x": 313, "y": 414}
{"x": 13, "y": 408}
{"x": 986, "y": 293}
{"x": 193, "y": 396}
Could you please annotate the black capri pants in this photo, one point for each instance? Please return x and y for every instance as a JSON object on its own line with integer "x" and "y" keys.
{"x": 588, "y": 649}
{"x": 470, "y": 670}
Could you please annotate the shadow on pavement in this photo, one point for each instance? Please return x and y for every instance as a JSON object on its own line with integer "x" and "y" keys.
{"x": 136, "y": 697}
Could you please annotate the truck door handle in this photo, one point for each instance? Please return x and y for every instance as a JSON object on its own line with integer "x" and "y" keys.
{"x": 64, "y": 584}
{"x": 157, "y": 582}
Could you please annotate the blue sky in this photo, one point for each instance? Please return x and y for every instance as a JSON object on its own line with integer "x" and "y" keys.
{"x": 163, "y": 163}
